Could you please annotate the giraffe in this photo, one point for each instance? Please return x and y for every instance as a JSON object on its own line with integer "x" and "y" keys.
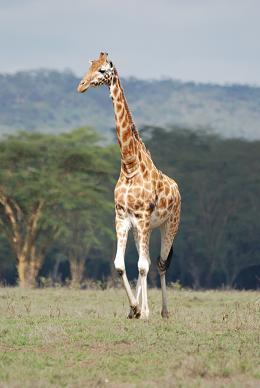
{"x": 145, "y": 198}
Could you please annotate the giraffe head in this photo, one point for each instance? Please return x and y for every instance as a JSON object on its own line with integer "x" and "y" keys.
{"x": 100, "y": 73}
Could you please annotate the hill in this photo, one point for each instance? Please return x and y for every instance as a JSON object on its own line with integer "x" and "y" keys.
{"x": 45, "y": 100}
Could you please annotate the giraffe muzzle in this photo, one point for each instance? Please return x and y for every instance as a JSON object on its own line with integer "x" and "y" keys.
{"x": 83, "y": 86}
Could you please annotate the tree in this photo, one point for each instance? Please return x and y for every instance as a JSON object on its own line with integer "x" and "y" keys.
{"x": 56, "y": 200}
{"x": 220, "y": 188}
{"x": 52, "y": 186}
{"x": 85, "y": 204}
{"x": 28, "y": 180}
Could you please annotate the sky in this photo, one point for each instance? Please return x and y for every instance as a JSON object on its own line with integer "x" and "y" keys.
{"x": 215, "y": 41}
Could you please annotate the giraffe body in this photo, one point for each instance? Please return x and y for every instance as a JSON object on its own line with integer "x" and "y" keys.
{"x": 145, "y": 198}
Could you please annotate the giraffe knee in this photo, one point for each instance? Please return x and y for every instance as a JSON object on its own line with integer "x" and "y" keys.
{"x": 119, "y": 266}
{"x": 120, "y": 272}
{"x": 143, "y": 267}
{"x": 142, "y": 271}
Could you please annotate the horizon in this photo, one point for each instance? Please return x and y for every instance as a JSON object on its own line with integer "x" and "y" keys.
{"x": 129, "y": 77}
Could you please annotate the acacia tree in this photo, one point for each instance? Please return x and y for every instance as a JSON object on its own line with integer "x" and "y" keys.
{"x": 21, "y": 232}
{"x": 28, "y": 179}
{"x": 86, "y": 203}
{"x": 52, "y": 186}
{"x": 82, "y": 231}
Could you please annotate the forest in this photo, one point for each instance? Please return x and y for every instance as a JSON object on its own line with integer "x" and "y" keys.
{"x": 57, "y": 209}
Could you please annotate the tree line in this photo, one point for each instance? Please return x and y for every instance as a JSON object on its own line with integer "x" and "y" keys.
{"x": 57, "y": 210}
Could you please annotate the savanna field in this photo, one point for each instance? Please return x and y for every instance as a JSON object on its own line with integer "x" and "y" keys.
{"x": 81, "y": 338}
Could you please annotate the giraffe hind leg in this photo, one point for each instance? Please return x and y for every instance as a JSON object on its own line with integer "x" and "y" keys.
{"x": 168, "y": 232}
{"x": 162, "y": 267}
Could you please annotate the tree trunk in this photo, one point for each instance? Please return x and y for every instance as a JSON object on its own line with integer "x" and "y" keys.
{"x": 196, "y": 281}
{"x": 77, "y": 271}
{"x": 23, "y": 270}
{"x": 208, "y": 278}
{"x": 22, "y": 234}
{"x": 194, "y": 271}
{"x": 28, "y": 270}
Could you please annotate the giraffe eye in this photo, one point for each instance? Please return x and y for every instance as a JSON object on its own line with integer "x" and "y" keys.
{"x": 102, "y": 71}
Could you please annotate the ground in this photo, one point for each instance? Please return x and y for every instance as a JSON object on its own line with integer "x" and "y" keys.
{"x": 81, "y": 338}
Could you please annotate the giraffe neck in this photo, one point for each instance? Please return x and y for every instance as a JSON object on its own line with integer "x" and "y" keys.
{"x": 127, "y": 134}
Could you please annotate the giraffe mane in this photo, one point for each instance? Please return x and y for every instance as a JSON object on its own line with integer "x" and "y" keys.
{"x": 130, "y": 118}
{"x": 139, "y": 139}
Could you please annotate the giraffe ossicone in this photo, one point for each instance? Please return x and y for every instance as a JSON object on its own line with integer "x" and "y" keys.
{"x": 145, "y": 198}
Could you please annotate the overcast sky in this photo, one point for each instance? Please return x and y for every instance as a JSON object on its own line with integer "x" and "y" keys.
{"x": 201, "y": 40}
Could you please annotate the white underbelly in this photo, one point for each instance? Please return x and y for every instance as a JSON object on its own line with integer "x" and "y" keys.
{"x": 156, "y": 221}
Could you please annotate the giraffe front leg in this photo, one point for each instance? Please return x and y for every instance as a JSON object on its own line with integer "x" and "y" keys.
{"x": 122, "y": 228}
{"x": 135, "y": 313}
{"x": 132, "y": 313}
{"x": 143, "y": 268}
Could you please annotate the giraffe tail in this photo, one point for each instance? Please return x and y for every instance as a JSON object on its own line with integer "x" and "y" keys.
{"x": 163, "y": 265}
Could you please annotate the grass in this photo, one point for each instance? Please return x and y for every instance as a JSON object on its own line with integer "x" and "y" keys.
{"x": 80, "y": 338}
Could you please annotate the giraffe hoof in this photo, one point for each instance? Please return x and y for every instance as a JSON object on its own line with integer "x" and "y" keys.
{"x": 135, "y": 312}
{"x": 164, "y": 314}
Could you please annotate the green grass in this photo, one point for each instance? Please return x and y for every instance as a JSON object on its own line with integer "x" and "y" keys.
{"x": 62, "y": 337}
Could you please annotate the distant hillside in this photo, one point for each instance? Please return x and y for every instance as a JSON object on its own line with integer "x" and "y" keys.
{"x": 47, "y": 101}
